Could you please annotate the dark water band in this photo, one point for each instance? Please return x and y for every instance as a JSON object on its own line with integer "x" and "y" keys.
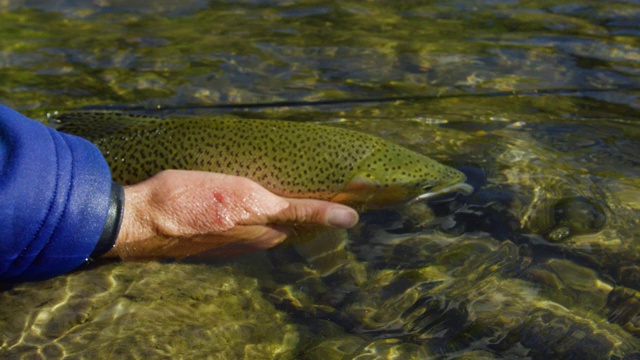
{"x": 114, "y": 220}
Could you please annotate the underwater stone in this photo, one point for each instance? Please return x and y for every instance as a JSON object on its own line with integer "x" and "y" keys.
{"x": 576, "y": 216}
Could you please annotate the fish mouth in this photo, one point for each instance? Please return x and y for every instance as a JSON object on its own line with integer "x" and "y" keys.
{"x": 460, "y": 187}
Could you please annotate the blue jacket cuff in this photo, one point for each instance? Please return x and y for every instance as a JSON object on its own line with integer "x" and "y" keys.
{"x": 55, "y": 190}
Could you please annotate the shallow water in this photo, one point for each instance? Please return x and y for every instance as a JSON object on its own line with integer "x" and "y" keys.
{"x": 537, "y": 101}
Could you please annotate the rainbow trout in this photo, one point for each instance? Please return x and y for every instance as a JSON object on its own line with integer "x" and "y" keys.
{"x": 289, "y": 158}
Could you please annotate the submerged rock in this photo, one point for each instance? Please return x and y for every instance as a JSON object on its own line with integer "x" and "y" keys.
{"x": 576, "y": 216}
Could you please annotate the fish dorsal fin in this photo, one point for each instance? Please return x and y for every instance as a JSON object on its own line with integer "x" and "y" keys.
{"x": 94, "y": 125}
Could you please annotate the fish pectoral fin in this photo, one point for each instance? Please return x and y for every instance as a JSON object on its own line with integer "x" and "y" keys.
{"x": 322, "y": 249}
{"x": 325, "y": 252}
{"x": 357, "y": 191}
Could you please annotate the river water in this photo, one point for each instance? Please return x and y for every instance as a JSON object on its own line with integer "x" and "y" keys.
{"x": 536, "y": 101}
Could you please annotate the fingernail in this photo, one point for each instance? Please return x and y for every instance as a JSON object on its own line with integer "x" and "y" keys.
{"x": 342, "y": 218}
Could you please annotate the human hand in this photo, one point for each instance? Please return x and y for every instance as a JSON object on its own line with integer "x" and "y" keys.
{"x": 178, "y": 213}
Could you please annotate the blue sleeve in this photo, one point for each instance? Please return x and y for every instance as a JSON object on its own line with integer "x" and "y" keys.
{"x": 54, "y": 199}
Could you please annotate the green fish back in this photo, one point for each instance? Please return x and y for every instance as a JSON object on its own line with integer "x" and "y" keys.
{"x": 292, "y": 159}
{"x": 286, "y": 157}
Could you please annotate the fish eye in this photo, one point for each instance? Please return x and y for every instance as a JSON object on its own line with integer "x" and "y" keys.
{"x": 429, "y": 185}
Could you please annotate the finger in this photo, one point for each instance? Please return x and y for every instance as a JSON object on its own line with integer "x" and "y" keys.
{"x": 306, "y": 211}
{"x": 248, "y": 238}
{"x": 266, "y": 237}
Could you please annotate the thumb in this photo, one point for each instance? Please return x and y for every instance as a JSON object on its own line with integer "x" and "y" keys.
{"x": 306, "y": 211}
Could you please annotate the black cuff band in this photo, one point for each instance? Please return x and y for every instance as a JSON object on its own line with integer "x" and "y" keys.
{"x": 114, "y": 220}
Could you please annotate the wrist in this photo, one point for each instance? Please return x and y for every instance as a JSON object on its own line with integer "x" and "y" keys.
{"x": 136, "y": 224}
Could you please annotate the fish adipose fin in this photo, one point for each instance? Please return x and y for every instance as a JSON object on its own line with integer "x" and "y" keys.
{"x": 93, "y": 125}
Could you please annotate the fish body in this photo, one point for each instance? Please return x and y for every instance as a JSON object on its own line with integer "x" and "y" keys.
{"x": 291, "y": 159}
